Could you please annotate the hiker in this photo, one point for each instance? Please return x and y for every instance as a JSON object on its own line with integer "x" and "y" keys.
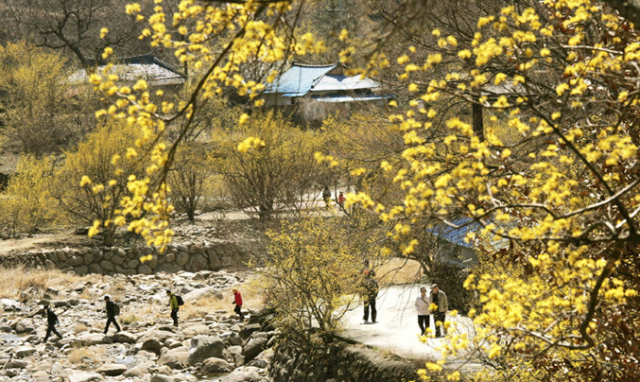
{"x": 370, "y": 294}
{"x": 341, "y": 200}
{"x": 173, "y": 304}
{"x": 52, "y": 320}
{"x": 422, "y": 306}
{"x": 326, "y": 195}
{"x": 440, "y": 307}
{"x": 112, "y": 312}
{"x": 237, "y": 300}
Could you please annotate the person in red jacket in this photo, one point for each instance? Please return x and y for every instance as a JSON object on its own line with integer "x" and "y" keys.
{"x": 238, "y": 302}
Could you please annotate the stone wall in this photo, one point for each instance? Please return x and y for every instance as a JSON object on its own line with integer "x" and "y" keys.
{"x": 341, "y": 362}
{"x": 191, "y": 257}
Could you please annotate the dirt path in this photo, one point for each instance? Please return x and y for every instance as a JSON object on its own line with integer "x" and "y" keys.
{"x": 40, "y": 241}
{"x": 397, "y": 328}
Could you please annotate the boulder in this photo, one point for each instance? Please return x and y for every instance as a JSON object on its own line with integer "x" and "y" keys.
{"x": 203, "y": 347}
{"x": 161, "y": 378}
{"x": 25, "y": 326}
{"x": 81, "y": 270}
{"x": 16, "y": 364}
{"x": 216, "y": 365}
{"x": 139, "y": 370}
{"x": 182, "y": 258}
{"x": 245, "y": 374}
{"x": 24, "y": 351}
{"x": 175, "y": 358}
{"x": 144, "y": 269}
{"x": 112, "y": 369}
{"x": 266, "y": 355}
{"x": 93, "y": 339}
{"x": 95, "y": 268}
{"x": 85, "y": 377}
{"x": 40, "y": 376}
{"x": 254, "y": 347}
{"x": 249, "y": 329}
{"x": 106, "y": 265}
{"x": 197, "y": 263}
{"x": 214, "y": 260}
{"x": 9, "y": 305}
{"x": 199, "y": 293}
{"x": 76, "y": 260}
{"x": 168, "y": 268}
{"x": 152, "y": 345}
{"x": 124, "y": 337}
{"x": 231, "y": 338}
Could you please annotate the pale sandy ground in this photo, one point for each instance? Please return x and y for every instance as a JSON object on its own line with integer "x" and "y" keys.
{"x": 397, "y": 328}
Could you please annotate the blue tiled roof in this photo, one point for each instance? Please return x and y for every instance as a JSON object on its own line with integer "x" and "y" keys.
{"x": 297, "y": 81}
{"x": 457, "y": 235}
{"x": 301, "y": 79}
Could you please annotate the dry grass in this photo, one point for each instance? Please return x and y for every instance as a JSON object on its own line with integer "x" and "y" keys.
{"x": 78, "y": 355}
{"x": 18, "y": 279}
{"x": 80, "y": 327}
{"x": 128, "y": 319}
{"x": 251, "y": 298}
{"x": 398, "y": 271}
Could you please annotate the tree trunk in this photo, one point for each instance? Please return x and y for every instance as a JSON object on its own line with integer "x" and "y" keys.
{"x": 478, "y": 122}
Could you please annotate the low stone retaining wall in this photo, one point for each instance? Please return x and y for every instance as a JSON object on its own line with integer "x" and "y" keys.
{"x": 341, "y": 362}
{"x": 191, "y": 257}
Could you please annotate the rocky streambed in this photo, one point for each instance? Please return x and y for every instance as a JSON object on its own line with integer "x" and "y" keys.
{"x": 211, "y": 343}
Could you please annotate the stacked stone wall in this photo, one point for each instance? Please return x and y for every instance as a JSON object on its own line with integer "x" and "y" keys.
{"x": 191, "y": 257}
{"x": 340, "y": 362}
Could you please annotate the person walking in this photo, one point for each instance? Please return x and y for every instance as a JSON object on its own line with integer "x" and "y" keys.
{"x": 52, "y": 320}
{"x": 326, "y": 195}
{"x": 237, "y": 300}
{"x": 341, "y": 200}
{"x": 111, "y": 314}
{"x": 422, "y": 306}
{"x": 440, "y": 307}
{"x": 175, "y": 307}
{"x": 370, "y": 295}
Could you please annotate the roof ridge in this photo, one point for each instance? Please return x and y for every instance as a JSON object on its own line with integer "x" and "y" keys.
{"x": 146, "y": 58}
{"x": 312, "y": 65}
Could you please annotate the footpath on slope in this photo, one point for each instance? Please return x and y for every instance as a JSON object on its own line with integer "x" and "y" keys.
{"x": 397, "y": 329}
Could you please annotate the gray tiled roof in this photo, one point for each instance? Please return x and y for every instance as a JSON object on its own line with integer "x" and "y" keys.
{"x": 131, "y": 69}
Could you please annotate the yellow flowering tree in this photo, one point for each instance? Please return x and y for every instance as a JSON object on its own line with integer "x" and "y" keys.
{"x": 213, "y": 39}
{"x": 311, "y": 276}
{"x": 27, "y": 204}
{"x": 92, "y": 186}
{"x": 563, "y": 197}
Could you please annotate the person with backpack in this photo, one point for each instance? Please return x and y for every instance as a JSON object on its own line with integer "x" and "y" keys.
{"x": 174, "y": 304}
{"x": 237, "y": 300}
{"x": 113, "y": 310}
{"x": 422, "y": 306}
{"x": 370, "y": 295}
{"x": 52, "y": 320}
{"x": 326, "y": 195}
{"x": 440, "y": 309}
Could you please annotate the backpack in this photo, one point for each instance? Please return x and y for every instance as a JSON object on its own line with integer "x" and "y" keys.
{"x": 180, "y": 300}
{"x": 116, "y": 309}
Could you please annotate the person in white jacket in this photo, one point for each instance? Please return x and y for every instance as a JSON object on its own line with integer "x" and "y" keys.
{"x": 422, "y": 306}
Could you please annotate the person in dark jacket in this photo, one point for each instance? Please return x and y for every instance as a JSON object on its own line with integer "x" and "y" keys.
{"x": 326, "y": 195}
{"x": 52, "y": 320}
{"x": 175, "y": 307}
{"x": 439, "y": 308}
{"x": 111, "y": 314}
{"x": 237, "y": 300}
{"x": 370, "y": 295}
